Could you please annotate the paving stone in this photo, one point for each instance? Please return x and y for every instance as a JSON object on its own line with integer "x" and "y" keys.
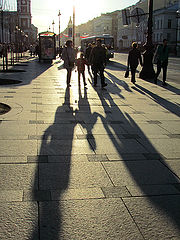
{"x": 156, "y": 217}
{"x": 66, "y": 158}
{"x": 140, "y": 172}
{"x": 13, "y": 159}
{"x": 14, "y": 147}
{"x": 125, "y": 157}
{"x": 97, "y": 158}
{"x": 78, "y": 193}
{"x": 117, "y": 146}
{"x": 61, "y": 147}
{"x": 169, "y": 148}
{"x": 11, "y": 195}
{"x": 59, "y": 176}
{"x": 18, "y": 176}
{"x": 36, "y": 195}
{"x": 150, "y": 190}
{"x": 115, "y": 192}
{"x": 91, "y": 219}
{"x": 18, "y": 220}
{"x": 37, "y": 159}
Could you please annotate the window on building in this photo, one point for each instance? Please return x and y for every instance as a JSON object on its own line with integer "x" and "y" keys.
{"x": 169, "y": 23}
{"x": 158, "y": 24}
{"x": 161, "y": 37}
{"x": 161, "y": 23}
{"x": 168, "y": 37}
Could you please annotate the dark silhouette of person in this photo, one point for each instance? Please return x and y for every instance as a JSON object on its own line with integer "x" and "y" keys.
{"x": 98, "y": 60}
{"x": 162, "y": 61}
{"x": 134, "y": 58}
{"x": 69, "y": 55}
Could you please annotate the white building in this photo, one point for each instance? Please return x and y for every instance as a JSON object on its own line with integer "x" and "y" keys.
{"x": 103, "y": 24}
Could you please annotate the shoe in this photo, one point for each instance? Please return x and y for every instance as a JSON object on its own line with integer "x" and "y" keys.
{"x": 85, "y": 84}
{"x": 104, "y": 85}
{"x": 164, "y": 84}
{"x": 69, "y": 85}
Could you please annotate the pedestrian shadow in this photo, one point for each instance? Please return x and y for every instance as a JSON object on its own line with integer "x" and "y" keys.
{"x": 113, "y": 64}
{"x": 118, "y": 82}
{"x": 150, "y": 174}
{"x": 172, "y": 107}
{"x": 52, "y": 176}
{"x": 84, "y": 115}
{"x": 52, "y": 173}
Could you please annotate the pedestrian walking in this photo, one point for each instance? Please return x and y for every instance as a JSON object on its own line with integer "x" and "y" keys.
{"x": 162, "y": 54}
{"x": 98, "y": 59}
{"x": 69, "y": 55}
{"x": 81, "y": 62}
{"x": 134, "y": 58}
{"x": 87, "y": 55}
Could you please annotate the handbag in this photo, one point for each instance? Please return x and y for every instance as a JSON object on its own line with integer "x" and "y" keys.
{"x": 126, "y": 75}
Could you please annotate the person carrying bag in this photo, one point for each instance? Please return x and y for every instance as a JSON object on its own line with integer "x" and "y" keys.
{"x": 69, "y": 55}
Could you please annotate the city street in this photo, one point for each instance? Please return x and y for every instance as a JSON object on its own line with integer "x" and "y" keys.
{"x": 89, "y": 163}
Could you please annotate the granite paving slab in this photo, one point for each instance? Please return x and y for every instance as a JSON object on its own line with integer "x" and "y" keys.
{"x": 156, "y": 217}
{"x": 91, "y": 219}
{"x": 18, "y": 147}
{"x": 18, "y": 176}
{"x": 139, "y": 172}
{"x": 18, "y": 220}
{"x": 58, "y": 176}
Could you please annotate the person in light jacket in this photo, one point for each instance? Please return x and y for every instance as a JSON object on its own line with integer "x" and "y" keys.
{"x": 69, "y": 55}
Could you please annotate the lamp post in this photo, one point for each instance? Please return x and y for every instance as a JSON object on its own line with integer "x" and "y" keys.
{"x": 73, "y": 25}
{"x": 59, "y": 29}
{"x": 148, "y": 70}
{"x": 53, "y": 25}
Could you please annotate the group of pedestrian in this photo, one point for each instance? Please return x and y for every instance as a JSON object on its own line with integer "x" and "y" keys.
{"x": 95, "y": 57}
{"x": 161, "y": 59}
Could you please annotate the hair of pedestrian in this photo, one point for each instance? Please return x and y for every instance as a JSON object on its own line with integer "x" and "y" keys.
{"x": 134, "y": 44}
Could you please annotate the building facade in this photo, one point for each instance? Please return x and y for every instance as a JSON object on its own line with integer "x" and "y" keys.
{"x": 24, "y": 15}
{"x": 165, "y": 26}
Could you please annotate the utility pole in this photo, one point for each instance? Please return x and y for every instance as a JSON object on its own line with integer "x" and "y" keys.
{"x": 148, "y": 70}
{"x": 59, "y": 15}
{"x": 73, "y": 25}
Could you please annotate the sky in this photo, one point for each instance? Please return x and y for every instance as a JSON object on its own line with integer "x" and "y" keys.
{"x": 44, "y": 12}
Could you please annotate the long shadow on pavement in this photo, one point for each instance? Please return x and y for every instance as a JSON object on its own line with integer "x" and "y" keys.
{"x": 172, "y": 107}
{"x": 53, "y": 176}
{"x": 150, "y": 175}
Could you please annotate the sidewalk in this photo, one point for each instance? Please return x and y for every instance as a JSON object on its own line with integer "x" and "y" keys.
{"x": 79, "y": 164}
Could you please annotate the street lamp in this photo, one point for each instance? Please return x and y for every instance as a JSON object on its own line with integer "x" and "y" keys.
{"x": 73, "y": 25}
{"x": 59, "y": 29}
{"x": 53, "y": 25}
{"x": 147, "y": 71}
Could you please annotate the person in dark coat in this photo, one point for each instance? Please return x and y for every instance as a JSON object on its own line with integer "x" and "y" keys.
{"x": 69, "y": 55}
{"x": 162, "y": 61}
{"x": 87, "y": 55}
{"x": 134, "y": 58}
{"x": 98, "y": 60}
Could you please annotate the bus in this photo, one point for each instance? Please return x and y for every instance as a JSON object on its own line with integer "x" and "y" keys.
{"x": 106, "y": 39}
{"x": 47, "y": 46}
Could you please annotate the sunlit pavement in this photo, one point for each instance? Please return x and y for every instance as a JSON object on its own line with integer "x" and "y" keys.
{"x": 88, "y": 163}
